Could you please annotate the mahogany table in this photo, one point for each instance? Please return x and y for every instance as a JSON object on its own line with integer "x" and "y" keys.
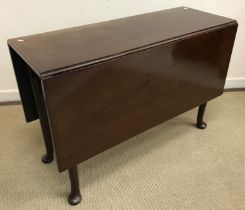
{"x": 95, "y": 86}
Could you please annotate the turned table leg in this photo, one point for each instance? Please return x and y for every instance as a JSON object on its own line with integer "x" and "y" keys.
{"x": 200, "y": 124}
{"x": 43, "y": 117}
{"x": 75, "y": 196}
{"x": 48, "y": 157}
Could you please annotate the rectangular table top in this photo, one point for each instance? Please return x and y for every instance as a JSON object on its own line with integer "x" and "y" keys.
{"x": 63, "y": 50}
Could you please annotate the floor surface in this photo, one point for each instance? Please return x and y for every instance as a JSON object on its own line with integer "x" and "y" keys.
{"x": 172, "y": 166}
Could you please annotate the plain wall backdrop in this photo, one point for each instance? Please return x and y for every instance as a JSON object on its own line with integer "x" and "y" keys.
{"x": 20, "y": 18}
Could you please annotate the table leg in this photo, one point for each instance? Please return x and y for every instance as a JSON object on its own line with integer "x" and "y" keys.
{"x": 75, "y": 197}
{"x": 200, "y": 124}
{"x": 43, "y": 117}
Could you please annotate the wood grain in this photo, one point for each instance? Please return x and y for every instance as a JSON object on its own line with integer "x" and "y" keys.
{"x": 99, "y": 106}
{"x": 64, "y": 50}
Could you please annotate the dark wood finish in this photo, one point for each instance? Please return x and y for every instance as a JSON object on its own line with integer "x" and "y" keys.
{"x": 10, "y": 103}
{"x": 200, "y": 123}
{"x": 96, "y": 86}
{"x": 107, "y": 103}
{"x": 86, "y": 45}
{"x": 75, "y": 196}
{"x": 40, "y": 104}
{"x": 24, "y": 85}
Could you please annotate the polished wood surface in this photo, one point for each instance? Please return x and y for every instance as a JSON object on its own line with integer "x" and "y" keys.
{"x": 201, "y": 110}
{"x": 95, "y": 86}
{"x": 63, "y": 50}
{"x": 99, "y": 106}
{"x": 24, "y": 86}
{"x": 75, "y": 196}
{"x": 43, "y": 116}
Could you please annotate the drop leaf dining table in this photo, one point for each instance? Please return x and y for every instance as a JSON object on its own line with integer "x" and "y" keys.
{"x": 95, "y": 86}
